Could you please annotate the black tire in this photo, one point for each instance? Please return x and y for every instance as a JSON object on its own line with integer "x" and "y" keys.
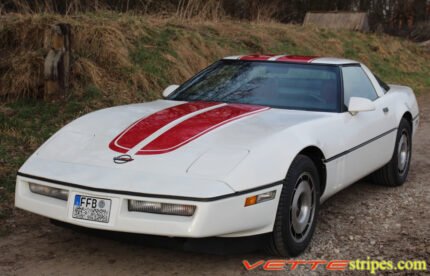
{"x": 284, "y": 240}
{"x": 391, "y": 175}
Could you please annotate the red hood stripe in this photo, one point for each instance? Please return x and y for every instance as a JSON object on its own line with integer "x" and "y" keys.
{"x": 197, "y": 126}
{"x": 144, "y": 127}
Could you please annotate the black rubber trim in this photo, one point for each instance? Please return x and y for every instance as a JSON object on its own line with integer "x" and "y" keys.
{"x": 359, "y": 146}
{"x": 150, "y": 195}
{"x": 351, "y": 64}
{"x": 416, "y": 117}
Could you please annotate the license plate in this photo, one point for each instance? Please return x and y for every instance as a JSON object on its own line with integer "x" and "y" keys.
{"x": 91, "y": 208}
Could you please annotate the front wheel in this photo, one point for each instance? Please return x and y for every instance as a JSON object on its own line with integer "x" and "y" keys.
{"x": 395, "y": 172}
{"x": 297, "y": 209}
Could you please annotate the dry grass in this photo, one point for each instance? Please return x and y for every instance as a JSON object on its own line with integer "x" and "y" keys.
{"x": 100, "y": 52}
{"x": 131, "y": 58}
{"x": 338, "y": 20}
{"x": 24, "y": 73}
{"x": 206, "y": 10}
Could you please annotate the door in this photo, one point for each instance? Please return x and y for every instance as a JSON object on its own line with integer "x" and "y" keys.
{"x": 368, "y": 137}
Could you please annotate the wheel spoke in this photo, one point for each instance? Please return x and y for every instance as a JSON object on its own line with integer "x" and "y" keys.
{"x": 403, "y": 153}
{"x": 302, "y": 206}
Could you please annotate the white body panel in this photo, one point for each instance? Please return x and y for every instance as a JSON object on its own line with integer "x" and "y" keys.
{"x": 215, "y": 172}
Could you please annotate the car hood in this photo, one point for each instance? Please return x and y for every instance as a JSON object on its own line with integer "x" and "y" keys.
{"x": 165, "y": 139}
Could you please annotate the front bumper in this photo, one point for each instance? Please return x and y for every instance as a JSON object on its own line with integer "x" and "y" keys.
{"x": 224, "y": 217}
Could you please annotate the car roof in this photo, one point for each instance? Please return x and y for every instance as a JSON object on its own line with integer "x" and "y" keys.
{"x": 293, "y": 58}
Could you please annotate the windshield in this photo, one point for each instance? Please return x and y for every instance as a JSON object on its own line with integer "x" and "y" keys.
{"x": 274, "y": 84}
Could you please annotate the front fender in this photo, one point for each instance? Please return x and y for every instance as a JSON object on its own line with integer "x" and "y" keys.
{"x": 403, "y": 99}
{"x": 270, "y": 161}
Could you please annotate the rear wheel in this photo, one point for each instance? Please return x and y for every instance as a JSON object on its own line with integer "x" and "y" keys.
{"x": 297, "y": 209}
{"x": 395, "y": 172}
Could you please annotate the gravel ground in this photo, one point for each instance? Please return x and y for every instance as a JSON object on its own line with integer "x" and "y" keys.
{"x": 363, "y": 220}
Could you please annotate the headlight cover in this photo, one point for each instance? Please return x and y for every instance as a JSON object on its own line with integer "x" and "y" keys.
{"x": 217, "y": 162}
{"x": 161, "y": 208}
{"x": 49, "y": 191}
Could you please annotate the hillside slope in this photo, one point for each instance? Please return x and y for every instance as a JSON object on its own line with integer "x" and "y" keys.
{"x": 132, "y": 58}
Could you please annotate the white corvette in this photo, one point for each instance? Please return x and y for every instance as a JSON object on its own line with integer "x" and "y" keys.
{"x": 251, "y": 145}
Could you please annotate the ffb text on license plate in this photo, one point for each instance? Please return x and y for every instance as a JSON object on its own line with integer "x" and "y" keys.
{"x": 91, "y": 208}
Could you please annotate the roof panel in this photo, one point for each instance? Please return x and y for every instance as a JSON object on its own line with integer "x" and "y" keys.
{"x": 293, "y": 58}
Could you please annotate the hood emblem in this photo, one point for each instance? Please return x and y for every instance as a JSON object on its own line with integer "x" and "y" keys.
{"x": 121, "y": 159}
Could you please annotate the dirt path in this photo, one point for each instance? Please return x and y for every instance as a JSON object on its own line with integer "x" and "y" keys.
{"x": 363, "y": 220}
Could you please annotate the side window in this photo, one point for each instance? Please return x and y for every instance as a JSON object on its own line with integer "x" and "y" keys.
{"x": 356, "y": 84}
{"x": 383, "y": 85}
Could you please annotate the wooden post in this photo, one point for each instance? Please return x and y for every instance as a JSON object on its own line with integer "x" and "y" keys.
{"x": 57, "y": 61}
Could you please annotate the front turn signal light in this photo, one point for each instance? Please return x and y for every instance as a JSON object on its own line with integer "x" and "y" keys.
{"x": 252, "y": 200}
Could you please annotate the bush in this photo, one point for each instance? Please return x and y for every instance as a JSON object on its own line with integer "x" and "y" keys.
{"x": 421, "y": 32}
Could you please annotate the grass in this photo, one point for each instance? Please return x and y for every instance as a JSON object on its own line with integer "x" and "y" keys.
{"x": 123, "y": 59}
{"x": 132, "y": 58}
{"x": 149, "y": 55}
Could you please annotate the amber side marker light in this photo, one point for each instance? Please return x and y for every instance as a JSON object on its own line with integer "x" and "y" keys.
{"x": 252, "y": 200}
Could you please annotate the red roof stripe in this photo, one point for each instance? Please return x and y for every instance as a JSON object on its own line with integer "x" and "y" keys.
{"x": 197, "y": 126}
{"x": 286, "y": 58}
{"x": 292, "y": 58}
{"x": 146, "y": 126}
{"x": 256, "y": 57}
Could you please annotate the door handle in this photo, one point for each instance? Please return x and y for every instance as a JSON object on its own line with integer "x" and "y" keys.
{"x": 385, "y": 109}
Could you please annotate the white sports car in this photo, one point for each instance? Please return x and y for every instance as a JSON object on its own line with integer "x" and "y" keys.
{"x": 250, "y": 145}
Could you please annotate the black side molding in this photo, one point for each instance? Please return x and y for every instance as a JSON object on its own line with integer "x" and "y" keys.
{"x": 359, "y": 146}
{"x": 206, "y": 199}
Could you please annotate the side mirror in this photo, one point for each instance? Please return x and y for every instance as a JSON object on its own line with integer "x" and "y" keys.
{"x": 169, "y": 90}
{"x": 358, "y": 104}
